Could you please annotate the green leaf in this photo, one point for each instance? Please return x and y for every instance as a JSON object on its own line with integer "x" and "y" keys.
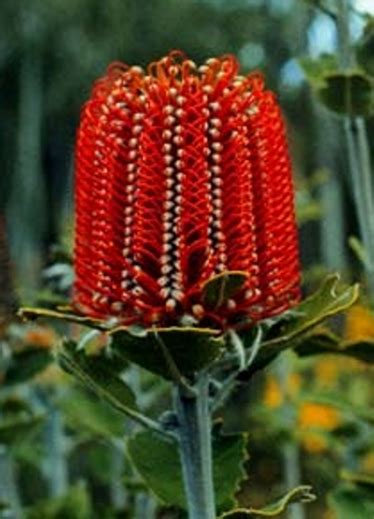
{"x": 25, "y": 364}
{"x": 4, "y": 505}
{"x": 350, "y": 93}
{"x": 317, "y": 342}
{"x": 359, "y": 250}
{"x": 359, "y": 479}
{"x": 74, "y": 505}
{"x": 331, "y": 298}
{"x": 308, "y": 212}
{"x": 346, "y": 92}
{"x": 14, "y": 405}
{"x": 324, "y": 342}
{"x": 352, "y": 502}
{"x": 99, "y": 460}
{"x": 229, "y": 456}
{"x": 157, "y": 461}
{"x": 98, "y": 374}
{"x": 361, "y": 350}
{"x": 17, "y": 429}
{"x": 218, "y": 289}
{"x": 315, "y": 69}
{"x": 85, "y": 413}
{"x": 190, "y": 348}
{"x": 62, "y": 313}
{"x": 299, "y": 494}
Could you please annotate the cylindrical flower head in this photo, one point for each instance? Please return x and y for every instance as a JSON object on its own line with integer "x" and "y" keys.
{"x": 182, "y": 173}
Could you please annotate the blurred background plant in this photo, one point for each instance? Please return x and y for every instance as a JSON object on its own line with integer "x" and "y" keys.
{"x": 308, "y": 420}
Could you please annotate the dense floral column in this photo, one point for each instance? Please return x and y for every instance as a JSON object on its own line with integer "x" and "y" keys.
{"x": 182, "y": 173}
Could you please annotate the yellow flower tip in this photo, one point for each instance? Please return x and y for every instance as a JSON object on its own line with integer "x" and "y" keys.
{"x": 273, "y": 396}
{"x": 318, "y": 416}
{"x": 314, "y": 443}
{"x": 359, "y": 324}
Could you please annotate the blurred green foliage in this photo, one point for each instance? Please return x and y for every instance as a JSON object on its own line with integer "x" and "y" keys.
{"x": 57, "y": 435}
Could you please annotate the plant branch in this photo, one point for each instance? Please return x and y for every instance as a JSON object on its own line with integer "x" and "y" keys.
{"x": 326, "y": 10}
{"x": 229, "y": 384}
{"x": 195, "y": 446}
{"x": 69, "y": 365}
{"x": 143, "y": 420}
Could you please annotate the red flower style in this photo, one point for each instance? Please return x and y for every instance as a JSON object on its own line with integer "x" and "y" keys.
{"x": 183, "y": 173}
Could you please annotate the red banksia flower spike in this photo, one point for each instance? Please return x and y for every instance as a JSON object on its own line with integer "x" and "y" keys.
{"x": 182, "y": 173}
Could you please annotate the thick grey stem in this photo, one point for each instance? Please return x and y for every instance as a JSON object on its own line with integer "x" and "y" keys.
{"x": 291, "y": 469}
{"x": 26, "y": 208}
{"x": 56, "y": 464}
{"x": 333, "y": 230}
{"x": 145, "y": 507}
{"x": 291, "y": 452}
{"x": 360, "y": 168}
{"x": 196, "y": 449}
{"x": 117, "y": 489}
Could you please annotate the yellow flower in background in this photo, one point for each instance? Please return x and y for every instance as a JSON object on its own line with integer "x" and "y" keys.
{"x": 293, "y": 384}
{"x": 318, "y": 416}
{"x": 314, "y": 442}
{"x": 313, "y": 421}
{"x": 367, "y": 463}
{"x": 273, "y": 395}
{"x": 327, "y": 370}
{"x": 40, "y": 336}
{"x": 359, "y": 324}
